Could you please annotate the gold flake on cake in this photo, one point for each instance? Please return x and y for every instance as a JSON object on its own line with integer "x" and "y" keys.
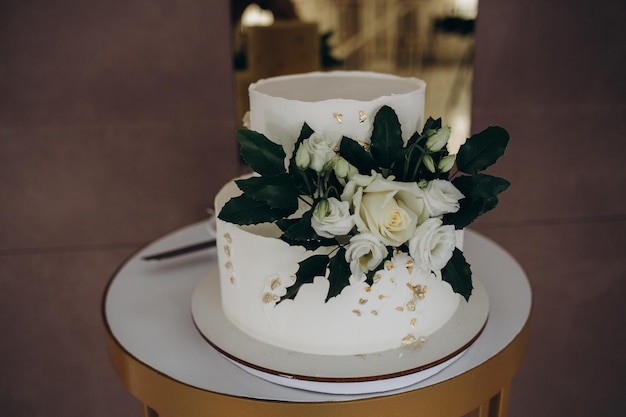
{"x": 362, "y": 116}
{"x": 413, "y": 321}
{"x": 232, "y": 280}
{"x": 382, "y": 297}
{"x": 228, "y": 265}
{"x": 374, "y": 312}
{"x": 408, "y": 340}
{"x": 357, "y": 312}
{"x": 418, "y": 290}
{"x": 227, "y": 250}
{"x": 268, "y": 297}
{"x": 409, "y": 265}
{"x": 275, "y": 283}
{"x": 368, "y": 288}
{"x": 293, "y": 278}
{"x": 228, "y": 238}
{"x": 400, "y": 309}
{"x": 388, "y": 265}
{"x": 362, "y": 301}
{"x": 377, "y": 277}
{"x": 410, "y": 305}
{"x": 338, "y": 117}
{"x": 412, "y": 340}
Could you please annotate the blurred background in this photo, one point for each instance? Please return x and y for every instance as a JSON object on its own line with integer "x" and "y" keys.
{"x": 117, "y": 124}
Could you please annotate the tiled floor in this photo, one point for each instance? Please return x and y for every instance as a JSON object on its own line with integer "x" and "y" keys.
{"x": 110, "y": 138}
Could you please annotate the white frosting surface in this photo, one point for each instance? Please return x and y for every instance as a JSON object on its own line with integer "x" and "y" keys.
{"x": 279, "y": 106}
{"x": 402, "y": 307}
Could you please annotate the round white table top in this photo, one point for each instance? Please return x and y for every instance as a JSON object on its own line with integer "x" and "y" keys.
{"x": 147, "y": 310}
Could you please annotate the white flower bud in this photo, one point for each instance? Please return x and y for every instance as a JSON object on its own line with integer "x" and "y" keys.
{"x": 436, "y": 142}
{"x": 429, "y": 163}
{"x": 302, "y": 158}
{"x": 446, "y": 163}
{"x": 321, "y": 210}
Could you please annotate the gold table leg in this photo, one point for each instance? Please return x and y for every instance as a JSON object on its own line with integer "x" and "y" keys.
{"x": 497, "y": 405}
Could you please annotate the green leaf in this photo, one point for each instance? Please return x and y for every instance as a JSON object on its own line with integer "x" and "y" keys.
{"x": 415, "y": 139}
{"x": 458, "y": 274}
{"x": 277, "y": 191}
{"x": 357, "y": 156}
{"x": 480, "y": 186}
{"x": 386, "y": 140}
{"x": 304, "y": 180}
{"x": 480, "y": 193}
{"x": 305, "y": 133}
{"x": 339, "y": 275}
{"x": 244, "y": 210}
{"x": 431, "y": 124}
{"x": 260, "y": 153}
{"x": 314, "y": 266}
{"x": 482, "y": 150}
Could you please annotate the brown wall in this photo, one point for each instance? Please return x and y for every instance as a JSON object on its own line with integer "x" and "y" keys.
{"x": 116, "y": 126}
{"x": 552, "y": 72}
{"x": 116, "y": 121}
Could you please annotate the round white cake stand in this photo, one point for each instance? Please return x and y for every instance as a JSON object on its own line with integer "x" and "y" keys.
{"x": 154, "y": 343}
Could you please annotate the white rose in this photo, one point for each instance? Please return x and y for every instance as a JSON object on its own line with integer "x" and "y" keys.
{"x": 390, "y": 210}
{"x": 365, "y": 252}
{"x": 442, "y": 197}
{"x": 432, "y": 245}
{"x": 321, "y": 150}
{"x": 332, "y": 217}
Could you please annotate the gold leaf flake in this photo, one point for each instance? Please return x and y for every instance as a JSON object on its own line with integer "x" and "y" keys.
{"x": 408, "y": 340}
{"x": 362, "y": 116}
{"x": 377, "y": 277}
{"x": 400, "y": 309}
{"x": 374, "y": 312}
{"x": 413, "y": 321}
{"x": 338, "y": 117}
{"x": 388, "y": 265}
{"x": 228, "y": 238}
{"x": 418, "y": 290}
{"x": 409, "y": 266}
{"x": 368, "y": 289}
{"x": 228, "y": 265}
{"x": 227, "y": 250}
{"x": 382, "y": 297}
{"x": 268, "y": 297}
{"x": 357, "y": 312}
{"x": 362, "y": 301}
{"x": 410, "y": 305}
{"x": 275, "y": 283}
{"x": 232, "y": 280}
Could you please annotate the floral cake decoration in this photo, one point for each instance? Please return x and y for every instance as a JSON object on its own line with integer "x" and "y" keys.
{"x": 364, "y": 202}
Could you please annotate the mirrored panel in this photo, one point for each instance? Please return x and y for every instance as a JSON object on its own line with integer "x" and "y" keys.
{"x": 428, "y": 39}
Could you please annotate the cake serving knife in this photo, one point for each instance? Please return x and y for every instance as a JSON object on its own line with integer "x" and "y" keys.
{"x": 180, "y": 251}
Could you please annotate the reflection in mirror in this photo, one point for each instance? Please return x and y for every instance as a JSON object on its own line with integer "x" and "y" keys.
{"x": 428, "y": 39}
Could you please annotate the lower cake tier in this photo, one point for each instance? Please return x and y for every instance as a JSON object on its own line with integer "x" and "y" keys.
{"x": 402, "y": 306}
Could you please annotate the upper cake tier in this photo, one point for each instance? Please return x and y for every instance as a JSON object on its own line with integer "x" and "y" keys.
{"x": 338, "y": 103}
